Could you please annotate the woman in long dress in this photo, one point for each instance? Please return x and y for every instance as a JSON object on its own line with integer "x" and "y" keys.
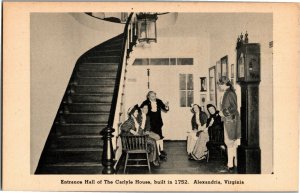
{"x": 215, "y": 127}
{"x": 199, "y": 125}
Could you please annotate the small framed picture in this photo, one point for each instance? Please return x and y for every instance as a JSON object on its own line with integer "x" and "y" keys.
{"x": 218, "y": 70}
{"x": 224, "y": 66}
{"x": 203, "y": 84}
{"x": 232, "y": 71}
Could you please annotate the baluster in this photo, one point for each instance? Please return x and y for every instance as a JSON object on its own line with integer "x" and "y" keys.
{"x": 108, "y": 153}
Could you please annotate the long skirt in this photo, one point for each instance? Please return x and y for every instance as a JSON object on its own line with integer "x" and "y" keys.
{"x": 191, "y": 141}
{"x": 200, "y": 149}
{"x": 151, "y": 145}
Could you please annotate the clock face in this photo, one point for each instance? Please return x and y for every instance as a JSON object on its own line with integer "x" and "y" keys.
{"x": 253, "y": 68}
{"x": 248, "y": 63}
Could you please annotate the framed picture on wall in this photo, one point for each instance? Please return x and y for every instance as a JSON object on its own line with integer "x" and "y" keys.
{"x": 212, "y": 85}
{"x": 232, "y": 71}
{"x": 203, "y": 84}
{"x": 224, "y": 66}
{"x": 218, "y": 70}
{"x": 232, "y": 74}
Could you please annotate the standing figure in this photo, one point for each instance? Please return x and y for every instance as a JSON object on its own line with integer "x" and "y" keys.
{"x": 144, "y": 121}
{"x": 155, "y": 107}
{"x": 231, "y": 118}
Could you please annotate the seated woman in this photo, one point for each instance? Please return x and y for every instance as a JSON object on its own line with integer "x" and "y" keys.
{"x": 198, "y": 123}
{"x": 199, "y": 119}
{"x": 215, "y": 126}
{"x": 132, "y": 127}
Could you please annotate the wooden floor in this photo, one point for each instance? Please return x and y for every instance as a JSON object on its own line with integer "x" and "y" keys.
{"x": 178, "y": 163}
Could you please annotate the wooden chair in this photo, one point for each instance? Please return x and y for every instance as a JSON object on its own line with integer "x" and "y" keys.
{"x": 216, "y": 141}
{"x": 135, "y": 144}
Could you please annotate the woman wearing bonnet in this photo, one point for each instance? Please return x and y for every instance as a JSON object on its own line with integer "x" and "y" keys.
{"x": 198, "y": 137}
{"x": 132, "y": 127}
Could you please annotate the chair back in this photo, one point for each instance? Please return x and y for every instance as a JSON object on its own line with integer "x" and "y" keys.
{"x": 134, "y": 142}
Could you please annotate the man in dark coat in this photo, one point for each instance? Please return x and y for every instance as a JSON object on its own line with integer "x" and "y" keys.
{"x": 231, "y": 118}
{"x": 155, "y": 107}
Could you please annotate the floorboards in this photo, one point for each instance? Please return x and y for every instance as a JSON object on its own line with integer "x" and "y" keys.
{"x": 178, "y": 163}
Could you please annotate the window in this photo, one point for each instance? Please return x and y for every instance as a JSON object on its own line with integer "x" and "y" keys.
{"x": 159, "y": 61}
{"x": 141, "y": 61}
{"x": 163, "y": 61}
{"x": 186, "y": 89}
{"x": 185, "y": 61}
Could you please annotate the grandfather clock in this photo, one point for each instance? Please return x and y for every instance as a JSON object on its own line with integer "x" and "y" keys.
{"x": 248, "y": 76}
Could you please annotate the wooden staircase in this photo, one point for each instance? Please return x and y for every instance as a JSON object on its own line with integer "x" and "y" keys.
{"x": 74, "y": 145}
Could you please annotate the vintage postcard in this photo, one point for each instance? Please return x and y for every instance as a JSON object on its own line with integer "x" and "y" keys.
{"x": 168, "y": 96}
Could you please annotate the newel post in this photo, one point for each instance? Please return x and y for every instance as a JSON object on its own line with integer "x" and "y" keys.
{"x": 108, "y": 152}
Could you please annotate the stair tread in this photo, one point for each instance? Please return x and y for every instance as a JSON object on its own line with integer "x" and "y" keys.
{"x": 92, "y": 124}
{"x": 104, "y": 77}
{"x": 87, "y": 113}
{"x": 79, "y": 149}
{"x": 79, "y": 136}
{"x": 95, "y": 94}
{"x": 98, "y": 77}
{"x": 93, "y": 85}
{"x": 76, "y": 164}
{"x": 113, "y": 50}
{"x": 106, "y": 63}
{"x": 104, "y": 56}
{"x": 89, "y": 103}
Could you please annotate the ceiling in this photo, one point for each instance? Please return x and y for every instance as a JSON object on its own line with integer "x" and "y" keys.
{"x": 216, "y": 24}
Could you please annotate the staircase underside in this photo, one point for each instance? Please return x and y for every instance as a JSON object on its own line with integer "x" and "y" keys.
{"x": 74, "y": 145}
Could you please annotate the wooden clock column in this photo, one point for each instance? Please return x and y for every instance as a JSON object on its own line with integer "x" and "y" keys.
{"x": 248, "y": 76}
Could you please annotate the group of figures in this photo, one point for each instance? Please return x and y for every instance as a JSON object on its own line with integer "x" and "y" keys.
{"x": 227, "y": 118}
{"x": 146, "y": 120}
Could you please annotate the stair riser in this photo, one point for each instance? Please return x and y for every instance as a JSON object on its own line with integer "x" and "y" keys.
{"x": 98, "y": 67}
{"x": 81, "y": 129}
{"x": 96, "y": 81}
{"x": 86, "y": 118}
{"x": 74, "y": 156}
{"x": 94, "y": 89}
{"x": 92, "y": 98}
{"x": 79, "y": 142}
{"x": 104, "y": 59}
{"x": 89, "y": 107}
{"x": 109, "y": 47}
{"x": 111, "y": 74}
{"x": 106, "y": 53}
{"x": 72, "y": 170}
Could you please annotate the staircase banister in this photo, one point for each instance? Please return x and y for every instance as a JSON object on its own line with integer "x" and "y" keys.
{"x": 113, "y": 121}
{"x": 119, "y": 73}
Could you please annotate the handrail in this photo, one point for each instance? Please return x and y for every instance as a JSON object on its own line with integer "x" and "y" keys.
{"x": 108, "y": 153}
{"x": 117, "y": 84}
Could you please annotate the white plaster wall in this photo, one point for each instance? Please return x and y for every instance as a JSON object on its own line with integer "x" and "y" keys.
{"x": 57, "y": 40}
{"x": 207, "y": 38}
{"x": 165, "y": 79}
{"x": 260, "y": 29}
